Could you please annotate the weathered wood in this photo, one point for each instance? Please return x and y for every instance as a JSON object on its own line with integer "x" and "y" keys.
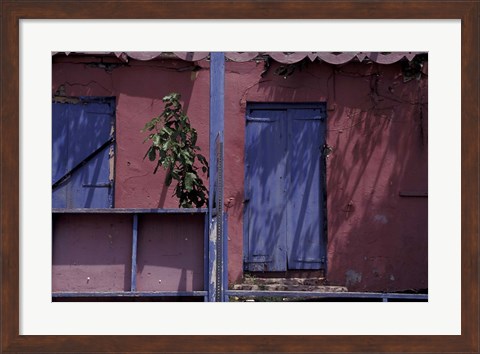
{"x": 129, "y": 211}
{"x": 128, "y": 294}
{"x": 217, "y": 86}
{"x": 133, "y": 285}
{"x": 327, "y": 295}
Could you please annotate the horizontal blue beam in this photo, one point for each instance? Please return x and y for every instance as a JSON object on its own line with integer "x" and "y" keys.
{"x": 358, "y": 295}
{"x": 129, "y": 294}
{"x": 130, "y": 211}
{"x": 263, "y": 105}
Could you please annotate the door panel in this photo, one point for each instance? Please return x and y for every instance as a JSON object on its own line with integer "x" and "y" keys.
{"x": 284, "y": 208}
{"x": 86, "y": 188}
{"x": 82, "y": 133}
{"x": 305, "y": 202}
{"x": 60, "y": 114}
{"x": 265, "y": 190}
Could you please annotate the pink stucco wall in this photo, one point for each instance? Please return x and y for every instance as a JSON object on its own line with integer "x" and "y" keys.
{"x": 376, "y": 127}
{"x": 94, "y": 252}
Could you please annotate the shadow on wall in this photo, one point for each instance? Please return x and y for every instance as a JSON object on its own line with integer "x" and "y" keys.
{"x": 143, "y": 87}
{"x": 153, "y": 80}
{"x": 81, "y": 131}
{"x": 377, "y": 187}
{"x": 89, "y": 255}
{"x": 93, "y": 252}
{"x": 170, "y": 253}
{"x": 376, "y": 172}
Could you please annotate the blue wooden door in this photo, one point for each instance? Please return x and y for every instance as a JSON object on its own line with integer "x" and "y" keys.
{"x": 284, "y": 187}
{"x": 82, "y": 145}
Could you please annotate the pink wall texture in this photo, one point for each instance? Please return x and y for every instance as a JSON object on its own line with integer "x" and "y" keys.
{"x": 377, "y": 170}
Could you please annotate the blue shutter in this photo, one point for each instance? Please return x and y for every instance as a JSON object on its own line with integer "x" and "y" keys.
{"x": 82, "y": 137}
{"x": 265, "y": 220}
{"x": 284, "y": 188}
{"x": 305, "y": 209}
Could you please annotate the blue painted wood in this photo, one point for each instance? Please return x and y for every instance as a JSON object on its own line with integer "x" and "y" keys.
{"x": 212, "y": 261}
{"x": 205, "y": 252}
{"x": 305, "y": 210}
{"x": 128, "y": 211}
{"x": 95, "y": 171}
{"x": 225, "y": 258}
{"x": 60, "y": 114}
{"x": 281, "y": 106}
{"x": 220, "y": 221}
{"x": 217, "y": 97}
{"x": 265, "y": 190}
{"x": 217, "y": 87}
{"x": 284, "y": 188}
{"x": 133, "y": 285}
{"x": 82, "y": 163}
{"x": 78, "y": 130}
{"x": 286, "y": 294}
{"x": 338, "y": 295}
{"x": 129, "y": 294}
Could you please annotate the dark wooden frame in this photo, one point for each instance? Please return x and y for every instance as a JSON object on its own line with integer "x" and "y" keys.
{"x": 13, "y": 11}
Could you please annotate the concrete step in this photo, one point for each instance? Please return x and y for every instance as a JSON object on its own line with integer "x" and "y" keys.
{"x": 290, "y": 287}
{"x": 284, "y": 281}
{"x": 287, "y": 284}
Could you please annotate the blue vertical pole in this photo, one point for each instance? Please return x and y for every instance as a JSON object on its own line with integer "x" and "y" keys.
{"x": 206, "y": 263}
{"x": 133, "y": 284}
{"x": 217, "y": 96}
{"x": 225, "y": 257}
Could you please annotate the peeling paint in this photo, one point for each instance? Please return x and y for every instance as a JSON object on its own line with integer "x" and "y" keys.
{"x": 352, "y": 277}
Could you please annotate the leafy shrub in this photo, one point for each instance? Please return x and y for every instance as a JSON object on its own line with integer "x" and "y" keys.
{"x": 173, "y": 145}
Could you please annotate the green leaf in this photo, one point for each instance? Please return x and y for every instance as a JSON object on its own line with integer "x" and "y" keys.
{"x": 156, "y": 139}
{"x": 194, "y": 137}
{"x": 166, "y": 130}
{"x": 202, "y": 159}
{"x": 152, "y": 154}
{"x": 162, "y": 154}
{"x": 178, "y": 192}
{"x": 189, "y": 179}
{"x": 149, "y": 126}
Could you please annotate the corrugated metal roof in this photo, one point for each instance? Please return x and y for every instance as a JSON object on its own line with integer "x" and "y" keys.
{"x": 282, "y": 57}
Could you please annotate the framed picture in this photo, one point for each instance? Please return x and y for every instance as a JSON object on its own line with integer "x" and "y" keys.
{"x": 146, "y": 327}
